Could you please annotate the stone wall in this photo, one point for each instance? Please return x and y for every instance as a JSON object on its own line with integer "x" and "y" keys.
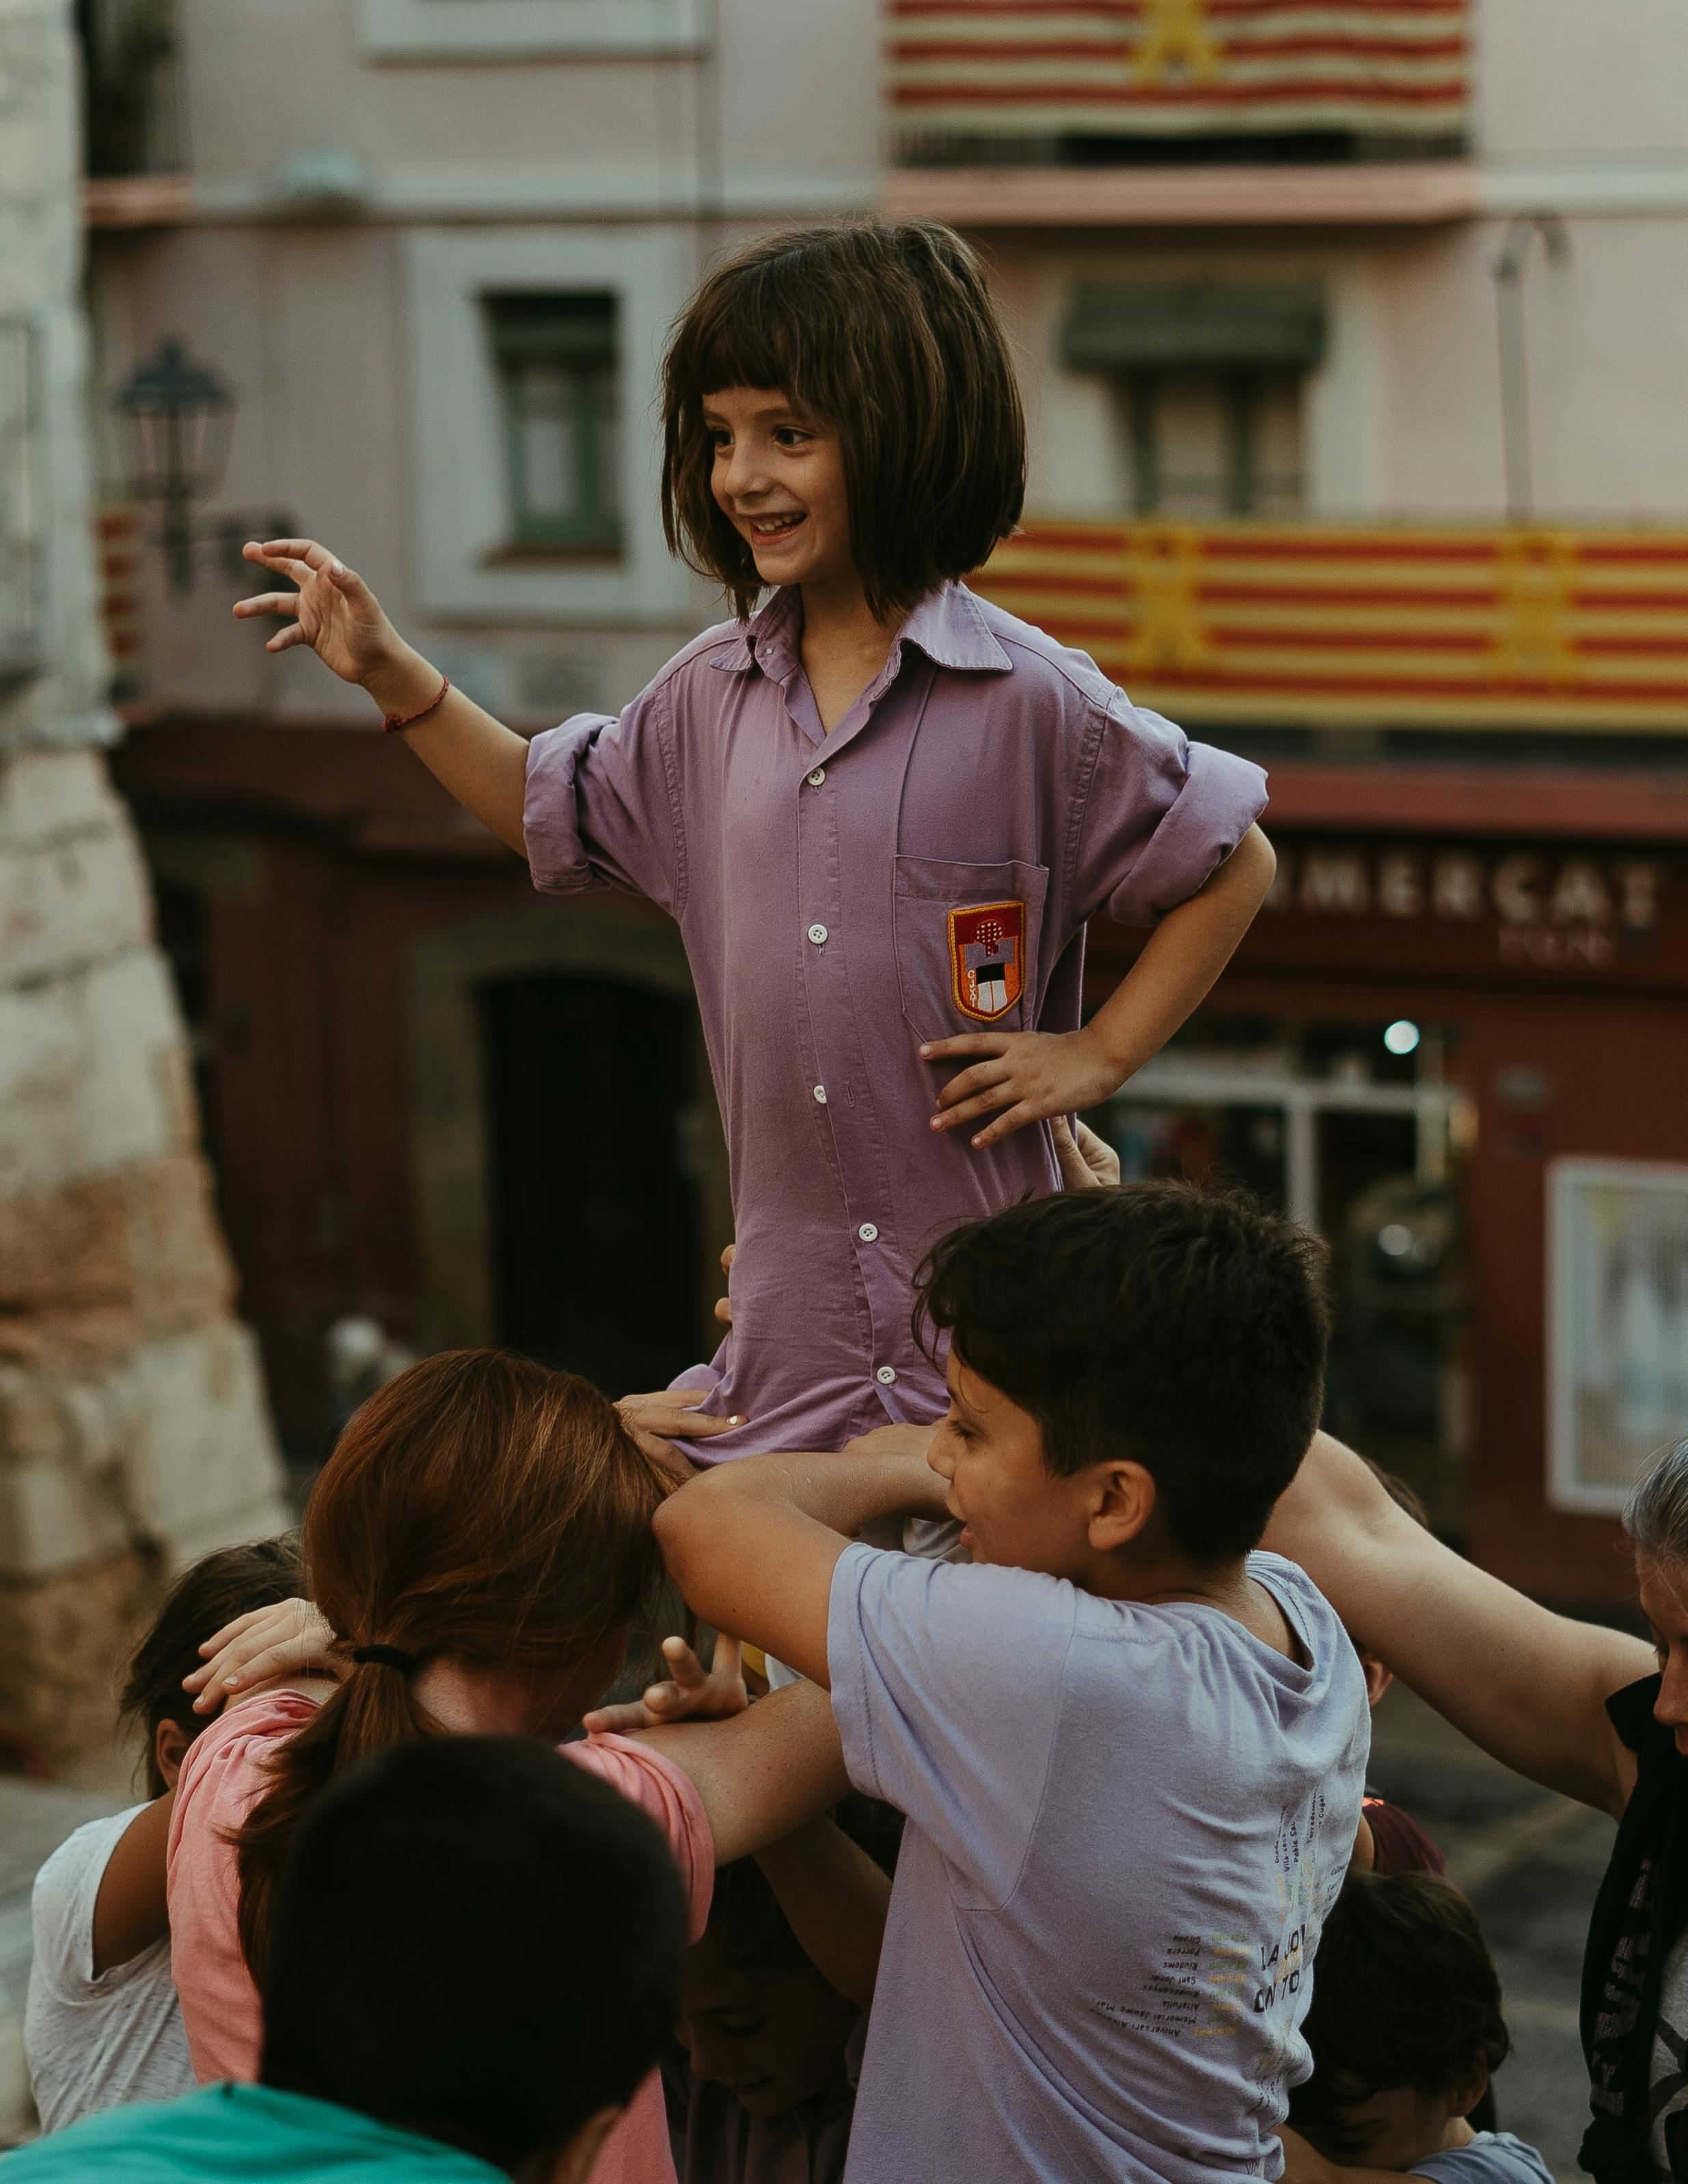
{"x": 134, "y": 1435}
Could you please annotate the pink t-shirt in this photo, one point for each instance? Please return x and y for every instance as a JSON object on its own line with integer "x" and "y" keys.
{"x": 221, "y": 1779}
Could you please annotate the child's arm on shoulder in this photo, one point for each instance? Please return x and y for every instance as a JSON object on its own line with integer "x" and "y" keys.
{"x": 1528, "y": 1685}
{"x": 479, "y": 762}
{"x": 1032, "y": 1075}
{"x": 753, "y": 1545}
{"x": 762, "y": 1773}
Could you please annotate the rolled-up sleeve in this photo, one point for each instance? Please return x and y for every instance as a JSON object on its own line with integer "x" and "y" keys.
{"x": 1161, "y": 814}
{"x": 601, "y": 807}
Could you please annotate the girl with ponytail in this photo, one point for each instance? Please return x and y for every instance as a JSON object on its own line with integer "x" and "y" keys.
{"x": 481, "y": 1539}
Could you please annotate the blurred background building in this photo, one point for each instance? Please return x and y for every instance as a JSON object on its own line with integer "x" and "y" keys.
{"x": 1355, "y": 338}
{"x": 133, "y": 1431}
{"x": 134, "y": 1435}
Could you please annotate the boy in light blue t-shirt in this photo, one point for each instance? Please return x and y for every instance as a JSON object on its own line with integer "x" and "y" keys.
{"x": 1131, "y": 1751}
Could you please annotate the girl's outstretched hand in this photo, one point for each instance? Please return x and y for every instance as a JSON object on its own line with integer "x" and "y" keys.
{"x": 289, "y": 1639}
{"x": 333, "y": 611}
{"x": 691, "y": 1693}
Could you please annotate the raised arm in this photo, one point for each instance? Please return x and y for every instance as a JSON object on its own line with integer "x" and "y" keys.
{"x": 477, "y": 758}
{"x": 834, "y": 1899}
{"x": 1529, "y": 1686}
{"x": 753, "y": 1545}
{"x": 765, "y": 1771}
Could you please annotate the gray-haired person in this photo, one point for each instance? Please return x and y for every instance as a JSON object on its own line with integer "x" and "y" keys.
{"x": 1589, "y": 1712}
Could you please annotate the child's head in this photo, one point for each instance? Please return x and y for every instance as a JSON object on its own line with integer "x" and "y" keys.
{"x": 230, "y": 1583}
{"x": 1137, "y": 1369}
{"x": 477, "y": 1941}
{"x": 1404, "y": 2024}
{"x": 479, "y": 1508}
{"x": 756, "y": 2015}
{"x": 854, "y": 377}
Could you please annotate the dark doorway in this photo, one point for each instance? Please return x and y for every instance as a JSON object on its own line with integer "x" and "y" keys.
{"x": 595, "y": 1188}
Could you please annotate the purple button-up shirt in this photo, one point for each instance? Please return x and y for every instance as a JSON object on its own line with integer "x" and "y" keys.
{"x": 925, "y": 869}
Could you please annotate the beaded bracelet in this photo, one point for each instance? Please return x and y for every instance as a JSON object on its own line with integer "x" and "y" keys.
{"x": 409, "y": 720}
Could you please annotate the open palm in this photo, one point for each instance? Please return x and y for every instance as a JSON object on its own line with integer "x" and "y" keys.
{"x": 333, "y": 611}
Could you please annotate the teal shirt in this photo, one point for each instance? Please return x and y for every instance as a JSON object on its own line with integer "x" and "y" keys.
{"x": 241, "y": 2135}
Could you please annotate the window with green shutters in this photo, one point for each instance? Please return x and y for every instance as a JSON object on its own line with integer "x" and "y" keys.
{"x": 557, "y": 357}
{"x": 1207, "y": 378}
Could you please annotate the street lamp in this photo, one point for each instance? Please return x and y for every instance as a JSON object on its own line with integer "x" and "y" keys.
{"x": 176, "y": 418}
{"x": 1508, "y": 272}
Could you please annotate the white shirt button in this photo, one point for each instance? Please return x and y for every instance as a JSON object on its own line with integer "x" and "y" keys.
{"x": 885, "y": 1375}
{"x": 818, "y": 776}
{"x": 868, "y": 1233}
{"x": 820, "y": 1095}
{"x": 817, "y": 933}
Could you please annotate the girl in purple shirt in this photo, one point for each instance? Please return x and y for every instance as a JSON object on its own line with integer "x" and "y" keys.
{"x": 880, "y": 810}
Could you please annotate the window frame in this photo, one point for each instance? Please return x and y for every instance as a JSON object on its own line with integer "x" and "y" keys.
{"x": 589, "y": 367}
{"x": 1242, "y": 392}
{"x": 464, "y": 571}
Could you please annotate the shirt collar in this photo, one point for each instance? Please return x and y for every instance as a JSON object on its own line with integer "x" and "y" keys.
{"x": 948, "y": 626}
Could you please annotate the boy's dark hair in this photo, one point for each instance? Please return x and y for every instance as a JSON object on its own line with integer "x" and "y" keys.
{"x": 1184, "y": 1329}
{"x": 231, "y": 1582}
{"x": 745, "y": 1919}
{"x": 887, "y": 334}
{"x": 477, "y": 1941}
{"x": 1404, "y": 1993}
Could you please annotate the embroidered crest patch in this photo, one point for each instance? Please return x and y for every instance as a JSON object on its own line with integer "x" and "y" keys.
{"x": 988, "y": 958}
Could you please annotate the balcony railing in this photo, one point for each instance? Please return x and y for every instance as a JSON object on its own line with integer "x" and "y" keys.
{"x": 1375, "y": 625}
{"x": 1051, "y": 69}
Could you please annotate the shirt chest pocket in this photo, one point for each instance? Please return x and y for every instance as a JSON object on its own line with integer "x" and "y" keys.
{"x": 966, "y": 944}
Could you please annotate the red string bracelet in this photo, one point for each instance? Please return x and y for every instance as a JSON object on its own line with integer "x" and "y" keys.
{"x": 409, "y": 720}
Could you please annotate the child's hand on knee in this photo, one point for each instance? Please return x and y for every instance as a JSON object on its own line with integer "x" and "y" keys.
{"x": 1086, "y": 1161}
{"x": 691, "y": 1693}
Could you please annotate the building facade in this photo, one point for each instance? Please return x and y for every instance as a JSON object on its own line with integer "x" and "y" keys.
{"x": 1354, "y": 351}
{"x": 134, "y": 1435}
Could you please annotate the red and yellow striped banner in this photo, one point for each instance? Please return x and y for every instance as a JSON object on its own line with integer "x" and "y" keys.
{"x": 117, "y": 533}
{"x": 1165, "y": 66}
{"x": 1280, "y": 624}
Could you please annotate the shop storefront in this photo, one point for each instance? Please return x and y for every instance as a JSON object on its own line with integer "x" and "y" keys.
{"x": 1456, "y": 1043}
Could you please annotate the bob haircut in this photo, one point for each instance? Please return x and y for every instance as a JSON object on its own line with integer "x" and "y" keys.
{"x": 885, "y": 333}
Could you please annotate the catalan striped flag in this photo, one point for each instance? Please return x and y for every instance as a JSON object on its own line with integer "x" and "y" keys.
{"x": 117, "y": 535}
{"x": 1384, "y": 625}
{"x": 1127, "y": 67}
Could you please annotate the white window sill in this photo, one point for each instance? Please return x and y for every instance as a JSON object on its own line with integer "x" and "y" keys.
{"x": 529, "y": 29}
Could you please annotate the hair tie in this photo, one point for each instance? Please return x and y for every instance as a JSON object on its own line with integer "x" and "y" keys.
{"x": 390, "y": 1656}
